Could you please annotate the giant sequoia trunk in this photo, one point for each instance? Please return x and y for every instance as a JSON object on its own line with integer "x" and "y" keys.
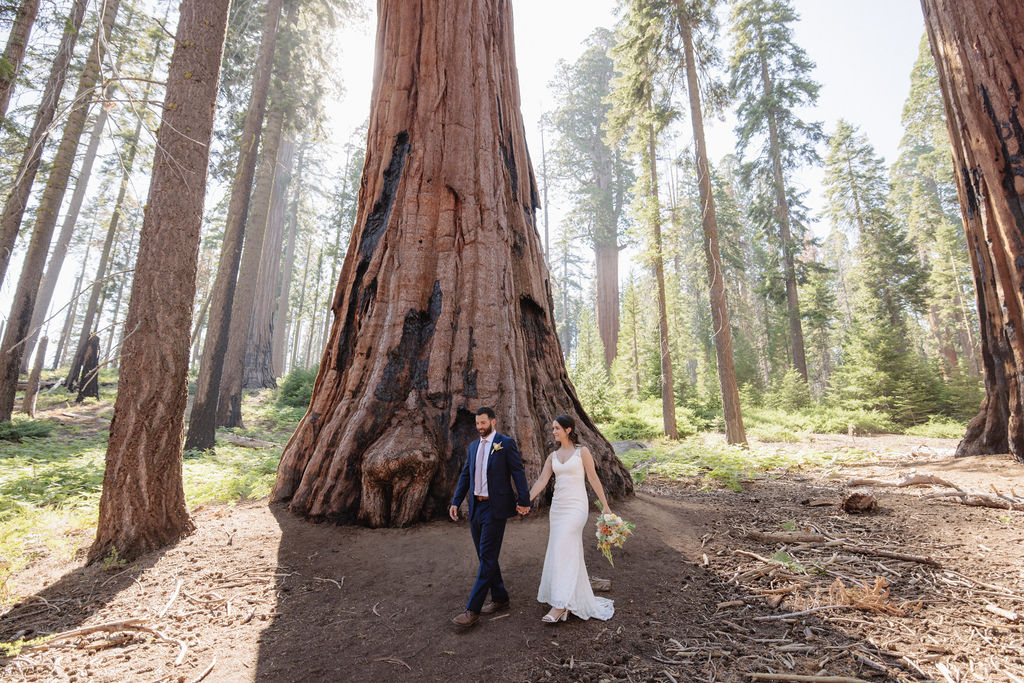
{"x": 978, "y": 47}
{"x": 143, "y": 503}
{"x": 443, "y": 303}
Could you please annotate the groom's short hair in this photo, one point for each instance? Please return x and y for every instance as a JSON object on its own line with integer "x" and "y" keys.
{"x": 486, "y": 410}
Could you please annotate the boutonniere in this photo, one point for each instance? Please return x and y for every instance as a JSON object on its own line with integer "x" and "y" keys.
{"x": 495, "y": 447}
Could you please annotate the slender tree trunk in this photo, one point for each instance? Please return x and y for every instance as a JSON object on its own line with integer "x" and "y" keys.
{"x": 963, "y": 320}
{"x": 23, "y": 302}
{"x": 60, "y": 249}
{"x": 979, "y": 53}
{"x": 122, "y": 282}
{"x": 668, "y": 399}
{"x": 28, "y": 403}
{"x": 606, "y": 282}
{"x": 14, "y": 53}
{"x": 284, "y": 297}
{"x": 259, "y": 366}
{"x": 202, "y": 423}
{"x": 197, "y": 330}
{"x": 313, "y": 309}
{"x": 143, "y": 502}
{"x": 229, "y": 404}
{"x": 722, "y": 332}
{"x": 15, "y": 203}
{"x": 91, "y": 310}
{"x": 467, "y": 318}
{"x": 796, "y": 333}
{"x": 300, "y": 309}
{"x": 336, "y": 255}
{"x": 69, "y": 320}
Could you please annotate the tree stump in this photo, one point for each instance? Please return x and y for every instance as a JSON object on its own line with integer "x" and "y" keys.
{"x": 89, "y": 381}
{"x": 859, "y": 501}
{"x": 444, "y": 302}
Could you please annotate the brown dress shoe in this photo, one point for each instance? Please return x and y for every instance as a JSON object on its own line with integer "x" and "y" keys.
{"x": 492, "y": 607}
{"x": 467, "y": 618}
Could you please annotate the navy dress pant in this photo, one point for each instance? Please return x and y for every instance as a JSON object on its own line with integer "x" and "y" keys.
{"x": 487, "y": 535}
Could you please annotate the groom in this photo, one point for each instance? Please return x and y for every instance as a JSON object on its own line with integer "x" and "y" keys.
{"x": 492, "y": 464}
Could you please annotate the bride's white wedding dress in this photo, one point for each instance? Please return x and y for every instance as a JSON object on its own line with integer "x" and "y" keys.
{"x": 564, "y": 582}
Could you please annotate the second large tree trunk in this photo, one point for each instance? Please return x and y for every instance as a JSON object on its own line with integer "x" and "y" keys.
{"x": 143, "y": 502}
{"x": 443, "y": 303}
{"x": 979, "y": 51}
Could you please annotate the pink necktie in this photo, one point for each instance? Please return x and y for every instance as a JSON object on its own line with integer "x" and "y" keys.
{"x": 481, "y": 454}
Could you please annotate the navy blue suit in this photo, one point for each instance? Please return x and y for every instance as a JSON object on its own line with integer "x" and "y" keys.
{"x": 487, "y": 517}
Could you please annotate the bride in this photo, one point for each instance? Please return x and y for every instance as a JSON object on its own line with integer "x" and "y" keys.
{"x": 564, "y": 584}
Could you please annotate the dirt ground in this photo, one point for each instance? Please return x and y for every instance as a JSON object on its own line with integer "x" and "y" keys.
{"x": 257, "y": 594}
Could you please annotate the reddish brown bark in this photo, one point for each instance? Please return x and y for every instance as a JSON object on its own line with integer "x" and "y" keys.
{"x": 979, "y": 52}
{"x": 142, "y": 506}
{"x": 202, "y": 424}
{"x": 443, "y": 303}
{"x": 14, "y": 53}
{"x": 734, "y": 432}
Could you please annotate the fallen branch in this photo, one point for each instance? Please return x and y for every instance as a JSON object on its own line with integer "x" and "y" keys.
{"x": 786, "y": 537}
{"x": 206, "y": 672}
{"x": 773, "y": 617}
{"x": 246, "y": 442}
{"x": 174, "y": 596}
{"x": 982, "y": 500}
{"x": 912, "y": 479}
{"x": 800, "y": 677}
{"x": 1004, "y": 613}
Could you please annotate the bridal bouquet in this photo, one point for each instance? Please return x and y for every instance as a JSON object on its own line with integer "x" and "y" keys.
{"x": 612, "y": 531}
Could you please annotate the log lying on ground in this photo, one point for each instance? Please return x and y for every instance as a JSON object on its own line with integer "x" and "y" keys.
{"x": 795, "y": 537}
{"x": 995, "y": 499}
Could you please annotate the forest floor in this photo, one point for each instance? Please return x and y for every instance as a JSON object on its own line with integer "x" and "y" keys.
{"x": 921, "y": 589}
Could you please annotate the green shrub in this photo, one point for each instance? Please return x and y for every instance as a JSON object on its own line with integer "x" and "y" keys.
{"x": 774, "y": 433}
{"x": 16, "y": 431}
{"x": 297, "y": 388}
{"x": 939, "y": 427}
{"x": 628, "y": 428}
{"x": 790, "y": 393}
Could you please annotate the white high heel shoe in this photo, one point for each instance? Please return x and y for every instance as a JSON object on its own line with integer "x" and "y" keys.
{"x": 548, "y": 619}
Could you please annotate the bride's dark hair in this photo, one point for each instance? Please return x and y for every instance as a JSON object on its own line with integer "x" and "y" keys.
{"x": 569, "y": 425}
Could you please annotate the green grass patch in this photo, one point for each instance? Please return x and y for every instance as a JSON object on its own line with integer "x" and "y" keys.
{"x": 710, "y": 462}
{"x": 18, "y": 429}
{"x": 50, "y": 487}
{"x": 938, "y": 427}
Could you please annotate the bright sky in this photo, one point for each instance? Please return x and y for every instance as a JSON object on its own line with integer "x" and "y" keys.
{"x": 863, "y": 50}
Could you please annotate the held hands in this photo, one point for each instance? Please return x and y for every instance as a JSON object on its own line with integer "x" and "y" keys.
{"x": 523, "y": 510}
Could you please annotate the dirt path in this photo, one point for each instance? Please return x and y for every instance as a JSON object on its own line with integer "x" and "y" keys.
{"x": 265, "y": 596}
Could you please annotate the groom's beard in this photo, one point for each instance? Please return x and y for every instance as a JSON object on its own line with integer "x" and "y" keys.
{"x": 483, "y": 434}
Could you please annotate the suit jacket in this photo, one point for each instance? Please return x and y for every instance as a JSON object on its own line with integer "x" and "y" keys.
{"x": 504, "y": 467}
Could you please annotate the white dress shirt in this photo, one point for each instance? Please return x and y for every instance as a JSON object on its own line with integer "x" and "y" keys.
{"x": 482, "y": 454}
